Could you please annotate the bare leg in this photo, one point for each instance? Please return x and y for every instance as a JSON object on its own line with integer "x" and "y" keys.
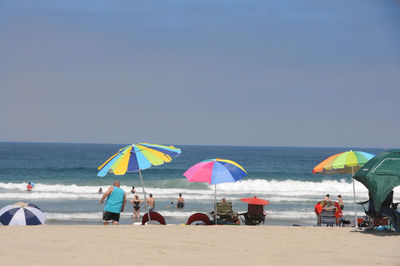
{"x": 136, "y": 215}
{"x": 106, "y": 223}
{"x": 114, "y": 223}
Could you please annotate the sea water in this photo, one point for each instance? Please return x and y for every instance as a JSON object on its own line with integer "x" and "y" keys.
{"x": 66, "y": 181}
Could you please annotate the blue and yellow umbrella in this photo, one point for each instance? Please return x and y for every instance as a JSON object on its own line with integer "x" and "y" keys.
{"x": 136, "y": 157}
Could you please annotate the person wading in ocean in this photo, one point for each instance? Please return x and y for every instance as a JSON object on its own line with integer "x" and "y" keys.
{"x": 115, "y": 203}
{"x": 151, "y": 203}
{"x": 181, "y": 202}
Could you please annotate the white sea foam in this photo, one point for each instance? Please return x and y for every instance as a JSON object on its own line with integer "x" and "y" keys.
{"x": 98, "y": 215}
{"x": 287, "y": 215}
{"x": 46, "y": 195}
{"x": 75, "y": 216}
{"x": 273, "y": 190}
{"x": 178, "y": 213}
{"x": 290, "y": 187}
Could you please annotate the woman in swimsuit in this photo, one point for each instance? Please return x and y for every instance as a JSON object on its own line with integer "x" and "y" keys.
{"x": 136, "y": 202}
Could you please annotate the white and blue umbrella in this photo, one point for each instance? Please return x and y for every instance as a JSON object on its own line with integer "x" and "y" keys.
{"x": 21, "y": 213}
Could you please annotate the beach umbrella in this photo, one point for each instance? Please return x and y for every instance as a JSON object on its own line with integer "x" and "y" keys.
{"x": 137, "y": 157}
{"x": 380, "y": 175}
{"x": 255, "y": 201}
{"x": 215, "y": 171}
{"x": 21, "y": 213}
{"x": 348, "y": 162}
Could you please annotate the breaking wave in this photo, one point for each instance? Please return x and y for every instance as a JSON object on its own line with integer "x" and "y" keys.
{"x": 273, "y": 190}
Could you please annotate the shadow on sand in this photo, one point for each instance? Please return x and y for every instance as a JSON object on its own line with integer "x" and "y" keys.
{"x": 377, "y": 233}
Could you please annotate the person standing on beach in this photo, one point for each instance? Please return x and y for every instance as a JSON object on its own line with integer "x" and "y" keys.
{"x": 150, "y": 203}
{"x": 115, "y": 203}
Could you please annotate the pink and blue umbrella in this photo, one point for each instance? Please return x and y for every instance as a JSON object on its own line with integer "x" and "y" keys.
{"x": 215, "y": 171}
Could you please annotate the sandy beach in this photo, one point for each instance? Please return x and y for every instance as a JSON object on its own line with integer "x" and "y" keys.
{"x": 195, "y": 245}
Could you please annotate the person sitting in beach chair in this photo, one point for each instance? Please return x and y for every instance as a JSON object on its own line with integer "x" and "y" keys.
{"x": 255, "y": 215}
{"x": 225, "y": 214}
{"x": 328, "y": 212}
{"x": 388, "y": 209}
{"x": 372, "y": 218}
{"x": 255, "y": 211}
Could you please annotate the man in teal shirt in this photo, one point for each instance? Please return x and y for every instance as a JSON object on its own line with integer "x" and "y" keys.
{"x": 115, "y": 203}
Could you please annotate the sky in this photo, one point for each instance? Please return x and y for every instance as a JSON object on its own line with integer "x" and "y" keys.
{"x": 202, "y": 72}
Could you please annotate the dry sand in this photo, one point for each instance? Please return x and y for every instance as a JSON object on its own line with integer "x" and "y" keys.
{"x": 195, "y": 245}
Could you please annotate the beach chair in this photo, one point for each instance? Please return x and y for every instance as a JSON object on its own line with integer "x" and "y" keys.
{"x": 328, "y": 212}
{"x": 327, "y": 216}
{"x": 225, "y": 214}
{"x": 154, "y": 216}
{"x": 198, "y": 219}
{"x": 372, "y": 218}
{"x": 255, "y": 215}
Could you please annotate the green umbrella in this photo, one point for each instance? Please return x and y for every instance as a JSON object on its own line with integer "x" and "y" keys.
{"x": 380, "y": 175}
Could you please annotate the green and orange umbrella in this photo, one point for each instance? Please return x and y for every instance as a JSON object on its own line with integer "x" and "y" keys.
{"x": 348, "y": 162}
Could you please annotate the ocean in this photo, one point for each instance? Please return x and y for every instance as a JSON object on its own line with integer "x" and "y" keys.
{"x": 66, "y": 182}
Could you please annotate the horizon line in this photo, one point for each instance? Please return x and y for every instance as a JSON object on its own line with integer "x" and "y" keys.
{"x": 205, "y": 145}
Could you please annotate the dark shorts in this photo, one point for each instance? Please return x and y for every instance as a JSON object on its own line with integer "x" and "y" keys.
{"x": 136, "y": 208}
{"x": 180, "y": 205}
{"x": 110, "y": 216}
{"x": 342, "y": 207}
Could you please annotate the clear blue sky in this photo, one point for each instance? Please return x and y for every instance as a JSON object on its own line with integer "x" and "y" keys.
{"x": 278, "y": 72}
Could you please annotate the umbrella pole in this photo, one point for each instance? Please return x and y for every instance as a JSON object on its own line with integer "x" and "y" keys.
{"x": 354, "y": 198}
{"x": 144, "y": 193}
{"x": 215, "y": 204}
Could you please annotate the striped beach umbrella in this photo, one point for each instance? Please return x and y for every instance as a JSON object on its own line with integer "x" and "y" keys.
{"x": 21, "y": 213}
{"x": 215, "y": 171}
{"x": 137, "y": 157}
{"x": 348, "y": 162}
